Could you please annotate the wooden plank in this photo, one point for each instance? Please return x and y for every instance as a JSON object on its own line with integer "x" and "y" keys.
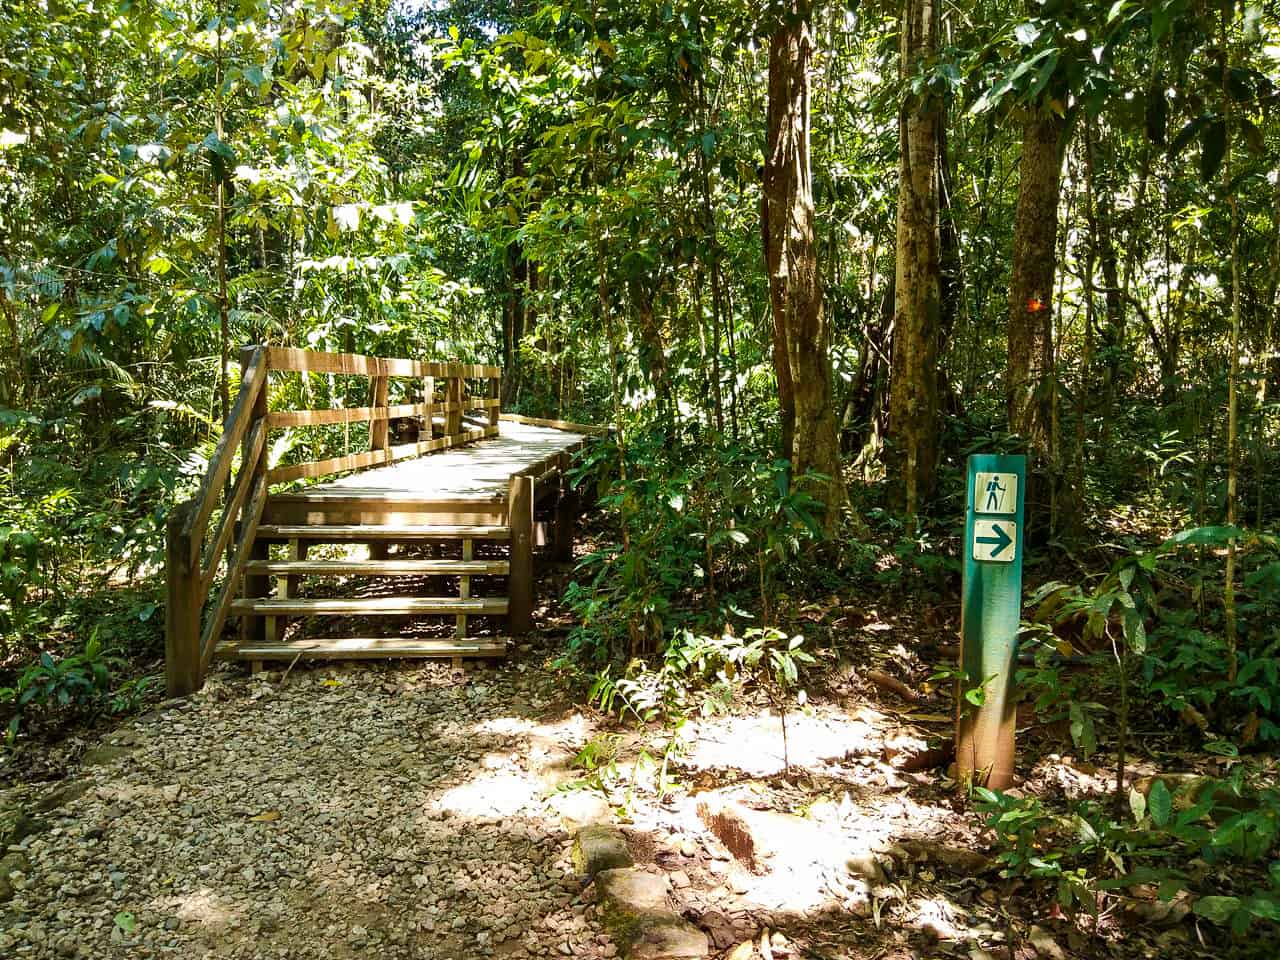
{"x": 231, "y": 585}
{"x": 227, "y": 524}
{"x": 453, "y": 419}
{"x": 279, "y": 419}
{"x": 367, "y": 648}
{"x": 371, "y": 606}
{"x": 316, "y": 361}
{"x": 566, "y": 425}
{"x": 360, "y": 533}
{"x": 370, "y": 512}
{"x": 250, "y": 627}
{"x": 233, "y": 431}
{"x": 439, "y": 443}
{"x": 379, "y": 568}
{"x": 182, "y": 668}
{"x": 317, "y": 418}
{"x": 520, "y": 580}
{"x": 378, "y": 426}
{"x": 318, "y": 468}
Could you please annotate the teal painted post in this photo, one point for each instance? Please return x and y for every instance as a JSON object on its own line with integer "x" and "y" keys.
{"x": 990, "y": 613}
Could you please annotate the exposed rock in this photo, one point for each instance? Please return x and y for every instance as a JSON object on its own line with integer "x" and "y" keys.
{"x": 104, "y": 755}
{"x": 600, "y": 847}
{"x": 9, "y": 864}
{"x": 767, "y": 840}
{"x": 1044, "y": 944}
{"x": 16, "y": 825}
{"x": 958, "y": 859}
{"x": 61, "y": 795}
{"x": 580, "y": 808}
{"x": 637, "y": 909}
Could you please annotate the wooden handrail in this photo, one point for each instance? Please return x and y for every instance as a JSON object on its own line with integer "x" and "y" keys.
{"x": 193, "y": 559}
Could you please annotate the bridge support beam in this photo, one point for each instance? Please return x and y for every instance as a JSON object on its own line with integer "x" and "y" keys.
{"x": 520, "y": 579}
{"x": 182, "y": 662}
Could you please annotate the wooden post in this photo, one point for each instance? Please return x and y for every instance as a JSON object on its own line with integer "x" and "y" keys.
{"x": 379, "y": 427}
{"x": 182, "y": 665}
{"x": 253, "y": 629}
{"x": 520, "y": 579}
{"x": 429, "y": 398}
{"x": 453, "y": 419}
{"x": 495, "y": 393}
{"x": 567, "y": 506}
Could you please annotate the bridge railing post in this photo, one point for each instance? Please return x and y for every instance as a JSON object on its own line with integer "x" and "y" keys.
{"x": 253, "y": 629}
{"x": 453, "y": 419}
{"x": 183, "y": 667}
{"x": 520, "y": 576}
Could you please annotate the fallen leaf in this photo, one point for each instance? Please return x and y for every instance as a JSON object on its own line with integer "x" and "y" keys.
{"x": 331, "y": 683}
{"x": 267, "y": 816}
{"x": 126, "y": 922}
{"x": 743, "y": 951}
{"x": 766, "y": 948}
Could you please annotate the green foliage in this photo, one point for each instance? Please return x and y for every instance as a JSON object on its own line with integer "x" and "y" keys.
{"x": 701, "y": 527}
{"x": 1144, "y": 609}
{"x": 1086, "y": 851}
{"x": 77, "y": 685}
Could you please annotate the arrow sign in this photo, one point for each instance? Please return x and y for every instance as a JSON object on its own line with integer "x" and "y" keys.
{"x": 991, "y": 539}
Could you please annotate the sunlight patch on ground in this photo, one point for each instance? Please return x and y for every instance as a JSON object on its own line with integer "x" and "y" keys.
{"x": 202, "y": 906}
{"x": 754, "y": 744}
{"x": 492, "y": 796}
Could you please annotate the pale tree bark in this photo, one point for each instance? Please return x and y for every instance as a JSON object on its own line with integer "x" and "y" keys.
{"x": 1030, "y": 368}
{"x": 913, "y": 399}
{"x": 801, "y": 332}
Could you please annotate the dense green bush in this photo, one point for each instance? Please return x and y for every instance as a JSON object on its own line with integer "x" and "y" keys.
{"x": 701, "y": 527}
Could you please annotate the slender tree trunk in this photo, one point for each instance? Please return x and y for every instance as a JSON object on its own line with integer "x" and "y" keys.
{"x": 795, "y": 291}
{"x": 1233, "y": 429}
{"x": 913, "y": 396}
{"x": 1030, "y": 369}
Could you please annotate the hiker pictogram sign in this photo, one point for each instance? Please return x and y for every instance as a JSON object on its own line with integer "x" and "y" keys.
{"x": 995, "y": 493}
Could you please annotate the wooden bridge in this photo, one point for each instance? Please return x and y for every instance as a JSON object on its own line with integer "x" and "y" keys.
{"x": 463, "y": 505}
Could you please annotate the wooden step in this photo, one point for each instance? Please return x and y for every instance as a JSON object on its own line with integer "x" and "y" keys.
{"x": 378, "y": 568}
{"x": 371, "y": 606}
{"x": 365, "y": 648}
{"x": 342, "y": 533}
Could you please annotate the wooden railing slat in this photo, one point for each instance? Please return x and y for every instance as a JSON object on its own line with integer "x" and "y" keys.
{"x": 230, "y": 586}
{"x": 318, "y": 468}
{"x": 315, "y": 361}
{"x": 220, "y": 464}
{"x": 317, "y": 418}
{"x": 227, "y": 524}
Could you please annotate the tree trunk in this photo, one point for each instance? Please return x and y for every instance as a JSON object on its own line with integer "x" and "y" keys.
{"x": 800, "y": 327}
{"x": 913, "y": 399}
{"x": 1030, "y": 369}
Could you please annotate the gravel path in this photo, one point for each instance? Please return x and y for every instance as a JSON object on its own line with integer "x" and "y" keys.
{"x": 346, "y": 812}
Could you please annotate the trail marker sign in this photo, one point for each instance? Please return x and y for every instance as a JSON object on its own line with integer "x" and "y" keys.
{"x": 992, "y": 540}
{"x": 995, "y": 493}
{"x": 990, "y": 613}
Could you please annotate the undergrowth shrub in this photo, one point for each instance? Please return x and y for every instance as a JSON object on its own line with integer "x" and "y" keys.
{"x": 702, "y": 529}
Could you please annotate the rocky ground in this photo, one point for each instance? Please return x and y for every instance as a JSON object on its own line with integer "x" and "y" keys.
{"x": 408, "y": 811}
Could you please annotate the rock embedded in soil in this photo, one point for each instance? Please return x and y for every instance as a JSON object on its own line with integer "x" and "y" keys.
{"x": 638, "y": 911}
{"x": 598, "y": 847}
{"x": 770, "y": 841}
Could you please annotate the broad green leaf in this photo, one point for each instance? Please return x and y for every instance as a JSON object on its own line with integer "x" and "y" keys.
{"x": 1217, "y": 909}
{"x": 1159, "y": 803}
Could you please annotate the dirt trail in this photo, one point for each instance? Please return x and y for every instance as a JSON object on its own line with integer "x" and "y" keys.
{"x": 406, "y": 812}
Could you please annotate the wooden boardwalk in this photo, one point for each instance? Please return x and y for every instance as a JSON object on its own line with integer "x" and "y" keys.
{"x": 456, "y": 512}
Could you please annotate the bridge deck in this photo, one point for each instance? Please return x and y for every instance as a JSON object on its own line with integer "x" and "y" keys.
{"x": 478, "y": 471}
